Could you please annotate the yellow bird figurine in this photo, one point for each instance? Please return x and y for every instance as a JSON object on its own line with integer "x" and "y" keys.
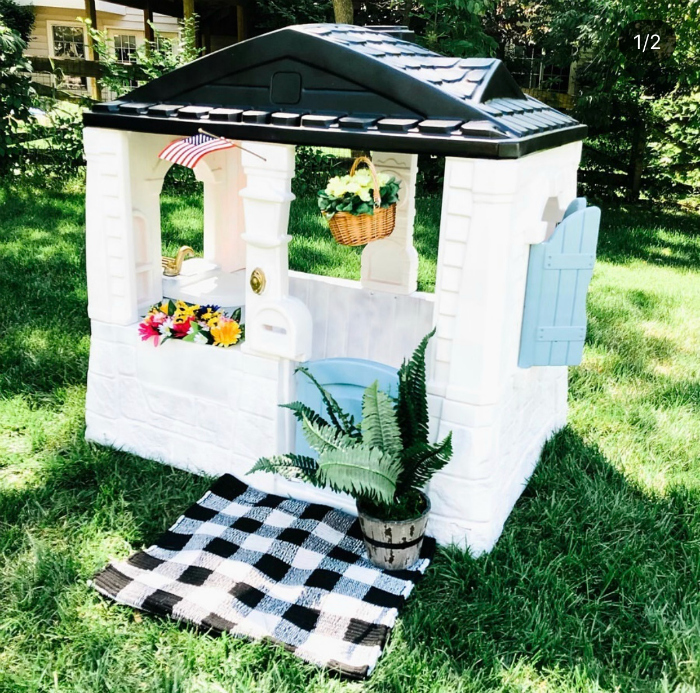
{"x": 173, "y": 265}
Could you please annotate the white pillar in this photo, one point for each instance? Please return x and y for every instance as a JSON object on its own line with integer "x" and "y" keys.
{"x": 146, "y": 173}
{"x": 391, "y": 264}
{"x": 500, "y": 416}
{"x": 111, "y": 272}
{"x": 223, "y": 178}
{"x": 276, "y": 323}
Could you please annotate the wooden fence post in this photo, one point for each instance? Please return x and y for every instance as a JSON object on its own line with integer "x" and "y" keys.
{"x": 91, "y": 13}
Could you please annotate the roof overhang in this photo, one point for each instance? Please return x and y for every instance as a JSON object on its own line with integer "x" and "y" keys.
{"x": 375, "y": 140}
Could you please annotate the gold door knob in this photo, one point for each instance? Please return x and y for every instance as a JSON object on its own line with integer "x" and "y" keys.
{"x": 257, "y": 280}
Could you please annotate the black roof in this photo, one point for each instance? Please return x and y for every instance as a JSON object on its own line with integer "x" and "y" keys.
{"x": 345, "y": 86}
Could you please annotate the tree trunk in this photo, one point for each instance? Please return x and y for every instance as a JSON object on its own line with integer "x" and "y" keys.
{"x": 343, "y": 11}
{"x": 406, "y": 12}
{"x": 636, "y": 167}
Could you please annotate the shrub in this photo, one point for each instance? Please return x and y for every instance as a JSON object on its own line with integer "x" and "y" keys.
{"x": 15, "y": 97}
{"x": 54, "y": 146}
{"x": 19, "y": 18}
{"x": 153, "y": 58}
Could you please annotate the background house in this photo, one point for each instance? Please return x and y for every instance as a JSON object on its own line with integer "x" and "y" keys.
{"x": 59, "y": 34}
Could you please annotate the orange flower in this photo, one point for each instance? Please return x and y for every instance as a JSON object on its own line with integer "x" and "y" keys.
{"x": 226, "y": 333}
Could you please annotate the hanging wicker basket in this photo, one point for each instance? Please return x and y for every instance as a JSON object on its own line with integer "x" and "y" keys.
{"x": 360, "y": 229}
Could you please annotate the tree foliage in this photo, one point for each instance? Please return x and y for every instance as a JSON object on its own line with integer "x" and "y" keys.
{"x": 275, "y": 14}
{"x": 641, "y": 113}
{"x": 19, "y": 18}
{"x": 628, "y": 101}
{"x": 152, "y": 58}
{"x": 15, "y": 97}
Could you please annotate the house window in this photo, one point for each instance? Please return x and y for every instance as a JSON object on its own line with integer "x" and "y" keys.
{"x": 125, "y": 48}
{"x": 166, "y": 43}
{"x": 68, "y": 41}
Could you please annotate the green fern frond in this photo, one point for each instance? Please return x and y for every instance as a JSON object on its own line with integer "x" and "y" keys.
{"x": 420, "y": 462}
{"x": 360, "y": 471}
{"x": 379, "y": 426}
{"x": 290, "y": 466}
{"x": 412, "y": 403}
{"x": 324, "y": 437}
{"x": 300, "y": 411}
{"x": 339, "y": 418}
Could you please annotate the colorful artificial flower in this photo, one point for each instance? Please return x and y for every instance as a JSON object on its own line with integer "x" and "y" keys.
{"x": 149, "y": 328}
{"x": 226, "y": 333}
{"x": 207, "y": 313}
{"x": 185, "y": 310}
{"x": 182, "y": 329}
{"x": 190, "y": 322}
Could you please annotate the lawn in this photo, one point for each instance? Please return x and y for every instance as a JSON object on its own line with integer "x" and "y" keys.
{"x": 592, "y": 587}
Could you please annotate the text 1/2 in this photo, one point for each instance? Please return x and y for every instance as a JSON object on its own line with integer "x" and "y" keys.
{"x": 644, "y": 40}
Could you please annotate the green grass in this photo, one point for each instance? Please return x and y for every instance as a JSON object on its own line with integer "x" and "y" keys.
{"x": 592, "y": 587}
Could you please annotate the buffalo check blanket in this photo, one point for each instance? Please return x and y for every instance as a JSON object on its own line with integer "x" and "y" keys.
{"x": 262, "y": 566}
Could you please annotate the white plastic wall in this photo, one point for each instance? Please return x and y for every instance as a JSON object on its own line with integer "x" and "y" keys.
{"x": 499, "y": 415}
{"x": 391, "y": 264}
{"x": 349, "y": 321}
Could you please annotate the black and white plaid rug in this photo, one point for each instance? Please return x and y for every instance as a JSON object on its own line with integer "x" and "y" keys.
{"x": 262, "y": 566}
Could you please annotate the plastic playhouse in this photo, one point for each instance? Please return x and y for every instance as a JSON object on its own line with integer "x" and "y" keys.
{"x": 516, "y": 253}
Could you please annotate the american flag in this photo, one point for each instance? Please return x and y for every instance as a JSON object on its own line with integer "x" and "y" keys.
{"x": 189, "y": 151}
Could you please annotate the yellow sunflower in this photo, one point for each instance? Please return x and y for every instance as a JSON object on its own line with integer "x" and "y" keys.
{"x": 186, "y": 309}
{"x": 226, "y": 333}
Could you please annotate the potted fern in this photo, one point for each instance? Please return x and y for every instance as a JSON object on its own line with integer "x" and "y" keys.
{"x": 383, "y": 462}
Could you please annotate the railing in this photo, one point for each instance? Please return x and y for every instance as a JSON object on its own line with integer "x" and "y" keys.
{"x": 564, "y": 102}
{"x": 76, "y": 67}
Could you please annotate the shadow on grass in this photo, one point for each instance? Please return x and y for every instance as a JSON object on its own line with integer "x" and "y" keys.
{"x": 660, "y": 236}
{"x": 590, "y": 574}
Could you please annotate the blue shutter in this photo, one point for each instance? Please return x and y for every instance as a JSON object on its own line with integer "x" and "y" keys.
{"x": 345, "y": 380}
{"x": 558, "y": 275}
{"x": 575, "y": 206}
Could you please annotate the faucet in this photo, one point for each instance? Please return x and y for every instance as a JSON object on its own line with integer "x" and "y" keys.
{"x": 173, "y": 265}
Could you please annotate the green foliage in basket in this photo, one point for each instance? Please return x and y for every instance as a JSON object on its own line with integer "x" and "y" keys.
{"x": 355, "y": 193}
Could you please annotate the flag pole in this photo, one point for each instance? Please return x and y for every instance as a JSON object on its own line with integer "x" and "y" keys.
{"x": 219, "y": 137}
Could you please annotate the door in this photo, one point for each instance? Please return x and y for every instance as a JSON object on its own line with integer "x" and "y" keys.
{"x": 346, "y": 380}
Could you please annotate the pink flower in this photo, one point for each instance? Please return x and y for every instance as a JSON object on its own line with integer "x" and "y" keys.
{"x": 148, "y": 329}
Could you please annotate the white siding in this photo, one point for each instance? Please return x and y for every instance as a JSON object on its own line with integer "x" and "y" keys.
{"x": 131, "y": 21}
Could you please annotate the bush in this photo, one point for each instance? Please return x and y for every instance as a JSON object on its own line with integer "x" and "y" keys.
{"x": 15, "y": 98}
{"x": 19, "y": 18}
{"x": 153, "y": 58}
{"x": 314, "y": 168}
{"x": 54, "y": 146}
{"x": 180, "y": 180}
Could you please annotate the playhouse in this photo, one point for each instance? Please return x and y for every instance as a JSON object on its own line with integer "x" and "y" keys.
{"x": 509, "y": 304}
